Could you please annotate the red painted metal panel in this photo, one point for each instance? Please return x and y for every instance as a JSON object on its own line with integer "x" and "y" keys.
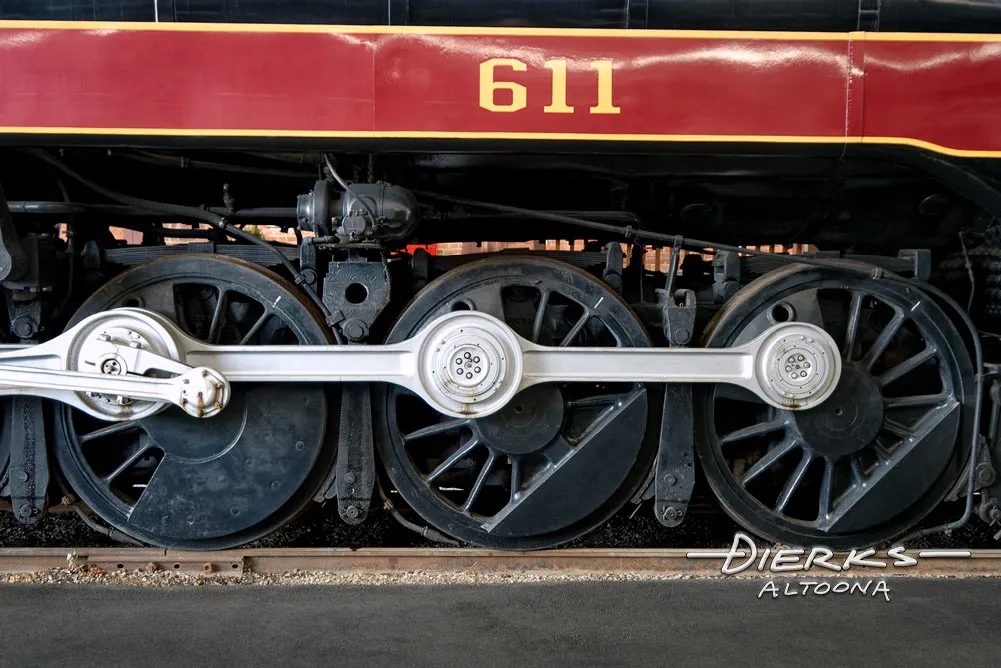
{"x": 413, "y": 83}
{"x": 946, "y": 93}
{"x": 663, "y": 86}
{"x": 185, "y": 80}
{"x": 940, "y": 92}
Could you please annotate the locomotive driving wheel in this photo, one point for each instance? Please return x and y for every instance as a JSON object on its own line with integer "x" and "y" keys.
{"x": 558, "y": 460}
{"x": 172, "y": 480}
{"x": 877, "y": 455}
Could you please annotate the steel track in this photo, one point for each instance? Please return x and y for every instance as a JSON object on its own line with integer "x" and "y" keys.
{"x": 981, "y": 563}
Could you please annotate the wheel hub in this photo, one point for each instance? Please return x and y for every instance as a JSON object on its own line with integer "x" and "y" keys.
{"x": 469, "y": 368}
{"x": 129, "y": 332}
{"x": 799, "y": 368}
{"x": 527, "y": 424}
{"x": 849, "y": 419}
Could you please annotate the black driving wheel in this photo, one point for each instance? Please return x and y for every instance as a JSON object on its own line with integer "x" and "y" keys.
{"x": 559, "y": 459}
{"x": 876, "y": 456}
{"x": 177, "y": 481}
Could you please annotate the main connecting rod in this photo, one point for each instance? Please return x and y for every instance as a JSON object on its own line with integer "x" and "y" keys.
{"x": 129, "y": 363}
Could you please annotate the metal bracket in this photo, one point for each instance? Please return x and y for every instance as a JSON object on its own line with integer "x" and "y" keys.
{"x": 921, "y": 257}
{"x": 678, "y": 313}
{"x": 726, "y": 275}
{"x": 355, "y": 468}
{"x": 356, "y": 291}
{"x": 37, "y": 251}
{"x": 13, "y": 259}
{"x": 612, "y": 275}
{"x": 308, "y": 261}
{"x": 24, "y": 425}
{"x": 985, "y": 473}
{"x": 675, "y": 475}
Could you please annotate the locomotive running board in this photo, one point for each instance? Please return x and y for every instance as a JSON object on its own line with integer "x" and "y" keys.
{"x": 129, "y": 363}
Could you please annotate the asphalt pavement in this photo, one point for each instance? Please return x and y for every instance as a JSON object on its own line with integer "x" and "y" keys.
{"x": 716, "y": 623}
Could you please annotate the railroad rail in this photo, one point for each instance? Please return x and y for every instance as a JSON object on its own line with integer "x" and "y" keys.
{"x": 979, "y": 563}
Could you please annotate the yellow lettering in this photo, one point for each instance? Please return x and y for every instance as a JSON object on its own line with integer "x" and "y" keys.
{"x": 604, "y": 106}
{"x": 489, "y": 87}
{"x": 559, "y": 105}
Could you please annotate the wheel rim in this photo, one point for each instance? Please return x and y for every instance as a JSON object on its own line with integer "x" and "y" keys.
{"x": 880, "y": 453}
{"x": 176, "y": 481}
{"x": 558, "y": 459}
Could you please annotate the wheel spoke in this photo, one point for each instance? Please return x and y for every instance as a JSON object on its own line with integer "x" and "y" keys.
{"x": 905, "y": 367}
{"x": 218, "y": 317}
{"x": 515, "y": 477}
{"x": 851, "y": 331}
{"x": 596, "y": 400}
{"x": 775, "y": 424}
{"x": 437, "y": 428}
{"x": 452, "y": 459}
{"x": 540, "y": 315}
{"x": 776, "y": 453}
{"x": 793, "y": 482}
{"x": 897, "y": 429}
{"x": 883, "y": 340}
{"x": 113, "y": 428}
{"x": 858, "y": 476}
{"x": 826, "y": 497}
{"x": 882, "y": 453}
{"x": 144, "y": 446}
{"x": 255, "y": 327}
{"x": 914, "y": 401}
{"x": 576, "y": 329}
{"x": 481, "y": 480}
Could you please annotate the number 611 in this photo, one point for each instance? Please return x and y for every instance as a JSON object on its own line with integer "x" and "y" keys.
{"x": 519, "y": 93}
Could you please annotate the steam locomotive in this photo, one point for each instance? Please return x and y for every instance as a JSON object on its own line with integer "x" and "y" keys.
{"x": 507, "y": 268}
